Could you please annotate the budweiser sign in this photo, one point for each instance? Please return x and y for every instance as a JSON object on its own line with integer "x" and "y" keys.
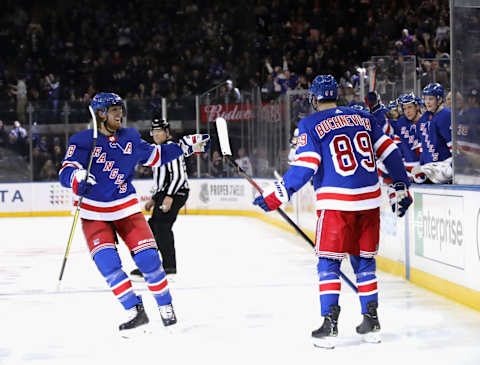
{"x": 230, "y": 112}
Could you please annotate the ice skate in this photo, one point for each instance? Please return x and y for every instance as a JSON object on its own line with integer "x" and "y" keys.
{"x": 324, "y": 337}
{"x": 370, "y": 326}
{"x": 168, "y": 314}
{"x": 137, "y": 318}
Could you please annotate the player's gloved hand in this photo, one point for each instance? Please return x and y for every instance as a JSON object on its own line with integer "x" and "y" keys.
{"x": 400, "y": 198}
{"x": 273, "y": 196}
{"x": 439, "y": 172}
{"x": 195, "y": 143}
{"x": 80, "y": 183}
{"x": 417, "y": 174}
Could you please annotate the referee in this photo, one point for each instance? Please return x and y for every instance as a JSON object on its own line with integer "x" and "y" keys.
{"x": 170, "y": 194}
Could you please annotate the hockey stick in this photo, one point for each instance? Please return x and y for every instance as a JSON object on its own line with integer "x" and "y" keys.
{"x": 77, "y": 210}
{"x": 222, "y": 132}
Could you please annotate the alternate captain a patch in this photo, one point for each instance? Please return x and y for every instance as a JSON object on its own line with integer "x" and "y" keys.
{"x": 128, "y": 149}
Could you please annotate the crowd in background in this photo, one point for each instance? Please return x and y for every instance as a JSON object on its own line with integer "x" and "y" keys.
{"x": 175, "y": 49}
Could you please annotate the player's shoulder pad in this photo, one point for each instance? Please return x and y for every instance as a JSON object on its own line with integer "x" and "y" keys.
{"x": 425, "y": 117}
{"x": 129, "y": 132}
{"x": 447, "y": 112}
{"x": 82, "y": 139}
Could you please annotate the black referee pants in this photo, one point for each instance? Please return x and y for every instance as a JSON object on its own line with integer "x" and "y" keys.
{"x": 161, "y": 225}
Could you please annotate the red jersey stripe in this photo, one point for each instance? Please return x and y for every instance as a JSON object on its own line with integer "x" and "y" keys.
{"x": 367, "y": 288}
{"x": 122, "y": 288}
{"x": 383, "y": 147}
{"x": 156, "y": 158}
{"x": 348, "y": 197}
{"x": 309, "y": 160}
{"x": 329, "y": 286}
{"x": 158, "y": 287}
{"x": 115, "y": 208}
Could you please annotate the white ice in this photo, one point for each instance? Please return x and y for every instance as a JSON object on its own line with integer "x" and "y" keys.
{"x": 246, "y": 293}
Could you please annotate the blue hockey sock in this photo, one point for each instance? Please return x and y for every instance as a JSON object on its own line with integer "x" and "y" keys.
{"x": 110, "y": 266}
{"x": 328, "y": 274}
{"x": 148, "y": 262}
{"x": 365, "y": 269}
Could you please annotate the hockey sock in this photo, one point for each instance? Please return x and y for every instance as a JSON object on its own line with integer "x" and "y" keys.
{"x": 148, "y": 261}
{"x": 365, "y": 268}
{"x": 109, "y": 264}
{"x": 328, "y": 274}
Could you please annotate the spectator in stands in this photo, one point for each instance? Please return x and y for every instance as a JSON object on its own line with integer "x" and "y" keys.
{"x": 17, "y": 139}
{"x": 20, "y": 91}
{"x": 217, "y": 167}
{"x": 211, "y": 49}
{"x": 232, "y": 92}
{"x": 43, "y": 144}
{"x": 48, "y": 171}
{"x": 459, "y": 102}
{"x": 204, "y": 166}
{"x": 244, "y": 161}
{"x": 53, "y": 87}
{"x": 442, "y": 31}
{"x": 39, "y": 159}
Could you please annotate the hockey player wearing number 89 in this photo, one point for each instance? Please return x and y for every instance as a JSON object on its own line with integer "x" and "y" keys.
{"x": 110, "y": 204}
{"x": 338, "y": 147}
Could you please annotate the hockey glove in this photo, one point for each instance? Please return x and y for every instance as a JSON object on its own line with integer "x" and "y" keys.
{"x": 273, "y": 196}
{"x": 79, "y": 182}
{"x": 195, "y": 143}
{"x": 400, "y": 198}
{"x": 439, "y": 172}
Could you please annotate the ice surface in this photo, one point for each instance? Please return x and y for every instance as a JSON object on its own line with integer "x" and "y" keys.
{"x": 246, "y": 293}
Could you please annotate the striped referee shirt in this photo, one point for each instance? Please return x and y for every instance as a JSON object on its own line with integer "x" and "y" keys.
{"x": 171, "y": 177}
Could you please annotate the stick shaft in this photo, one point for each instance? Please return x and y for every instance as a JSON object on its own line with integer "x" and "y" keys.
{"x": 77, "y": 211}
{"x": 70, "y": 238}
{"x": 286, "y": 217}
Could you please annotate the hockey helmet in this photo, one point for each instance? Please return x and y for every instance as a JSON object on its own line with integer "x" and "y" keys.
{"x": 434, "y": 89}
{"x": 360, "y": 107}
{"x": 324, "y": 87}
{"x": 408, "y": 98}
{"x": 102, "y": 101}
{"x": 159, "y": 123}
{"x": 392, "y": 105}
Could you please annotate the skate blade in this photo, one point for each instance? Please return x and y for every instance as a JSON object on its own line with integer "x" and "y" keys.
{"x": 372, "y": 337}
{"x": 136, "y": 332}
{"x": 324, "y": 342}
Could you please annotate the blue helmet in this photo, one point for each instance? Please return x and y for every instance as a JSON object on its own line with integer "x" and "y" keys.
{"x": 102, "y": 101}
{"x": 360, "y": 107}
{"x": 324, "y": 87}
{"x": 408, "y": 98}
{"x": 419, "y": 101}
{"x": 434, "y": 89}
{"x": 392, "y": 104}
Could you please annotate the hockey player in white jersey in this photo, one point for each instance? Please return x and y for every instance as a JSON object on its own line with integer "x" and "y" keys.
{"x": 338, "y": 148}
{"x": 110, "y": 204}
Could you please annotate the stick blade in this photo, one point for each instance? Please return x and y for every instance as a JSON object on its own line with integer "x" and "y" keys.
{"x": 222, "y": 132}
